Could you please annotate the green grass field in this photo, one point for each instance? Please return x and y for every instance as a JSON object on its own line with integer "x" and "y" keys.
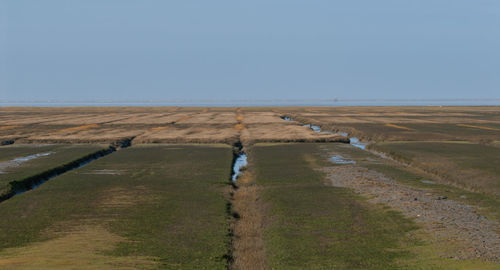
{"x": 144, "y": 207}
{"x": 470, "y": 165}
{"x": 59, "y": 156}
{"x": 315, "y": 226}
{"x": 487, "y": 203}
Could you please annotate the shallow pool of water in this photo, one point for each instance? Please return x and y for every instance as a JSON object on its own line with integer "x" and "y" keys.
{"x": 240, "y": 162}
{"x": 428, "y": 182}
{"x": 356, "y": 143}
{"x": 338, "y": 159}
{"x": 18, "y": 161}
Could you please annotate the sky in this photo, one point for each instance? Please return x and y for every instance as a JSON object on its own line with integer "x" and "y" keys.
{"x": 280, "y": 49}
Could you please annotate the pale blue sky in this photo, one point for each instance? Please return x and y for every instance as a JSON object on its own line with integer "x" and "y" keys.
{"x": 147, "y": 50}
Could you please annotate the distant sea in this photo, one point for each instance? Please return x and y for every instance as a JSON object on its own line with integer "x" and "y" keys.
{"x": 257, "y": 103}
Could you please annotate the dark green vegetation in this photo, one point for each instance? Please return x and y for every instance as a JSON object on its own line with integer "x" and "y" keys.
{"x": 467, "y": 163}
{"x": 315, "y": 226}
{"x": 60, "y": 155}
{"x": 164, "y": 204}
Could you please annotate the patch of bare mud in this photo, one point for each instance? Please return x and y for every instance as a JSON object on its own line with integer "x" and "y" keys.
{"x": 474, "y": 235}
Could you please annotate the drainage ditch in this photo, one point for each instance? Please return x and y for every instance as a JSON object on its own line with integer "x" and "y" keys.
{"x": 353, "y": 140}
{"x": 33, "y": 182}
{"x": 236, "y": 165}
{"x": 7, "y": 142}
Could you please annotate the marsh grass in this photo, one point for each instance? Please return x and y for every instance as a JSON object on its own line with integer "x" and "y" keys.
{"x": 60, "y": 156}
{"x": 315, "y": 226}
{"x": 167, "y": 204}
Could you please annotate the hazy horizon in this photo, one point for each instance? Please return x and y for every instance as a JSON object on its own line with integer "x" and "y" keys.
{"x": 156, "y": 51}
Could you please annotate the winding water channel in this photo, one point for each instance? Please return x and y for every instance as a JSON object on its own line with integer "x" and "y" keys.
{"x": 353, "y": 140}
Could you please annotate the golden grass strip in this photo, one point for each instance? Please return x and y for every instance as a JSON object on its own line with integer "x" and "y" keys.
{"x": 158, "y": 128}
{"x": 239, "y": 118}
{"x": 239, "y": 127}
{"x": 78, "y": 128}
{"x": 184, "y": 118}
{"x": 398, "y": 126}
{"x": 478, "y": 127}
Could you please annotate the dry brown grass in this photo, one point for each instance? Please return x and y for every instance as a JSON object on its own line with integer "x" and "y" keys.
{"x": 239, "y": 118}
{"x": 478, "y": 127}
{"x": 212, "y": 118}
{"x": 260, "y": 124}
{"x": 82, "y": 247}
{"x": 190, "y": 134}
{"x": 261, "y": 117}
{"x": 103, "y": 134}
{"x": 398, "y": 126}
{"x": 248, "y": 243}
{"x": 183, "y": 118}
{"x": 285, "y": 132}
{"x": 239, "y": 127}
{"x": 79, "y": 128}
{"x": 158, "y": 128}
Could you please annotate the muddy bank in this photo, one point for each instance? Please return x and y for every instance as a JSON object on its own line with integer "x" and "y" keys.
{"x": 447, "y": 220}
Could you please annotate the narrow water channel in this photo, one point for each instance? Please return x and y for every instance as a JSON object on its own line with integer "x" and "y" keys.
{"x": 353, "y": 140}
{"x": 20, "y": 187}
{"x": 239, "y": 163}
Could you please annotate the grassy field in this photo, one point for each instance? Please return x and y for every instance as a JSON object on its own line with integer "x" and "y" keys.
{"x": 478, "y": 124}
{"x": 144, "y": 207}
{"x": 487, "y": 203}
{"x": 473, "y": 166}
{"x": 53, "y": 156}
{"x": 315, "y": 226}
{"x": 170, "y": 206}
{"x": 150, "y": 125}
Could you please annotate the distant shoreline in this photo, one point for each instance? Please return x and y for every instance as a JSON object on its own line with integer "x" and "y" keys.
{"x": 258, "y": 103}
